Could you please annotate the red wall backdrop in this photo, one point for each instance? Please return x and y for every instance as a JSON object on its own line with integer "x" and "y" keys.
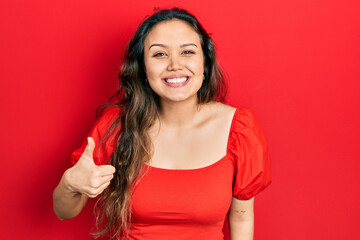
{"x": 295, "y": 63}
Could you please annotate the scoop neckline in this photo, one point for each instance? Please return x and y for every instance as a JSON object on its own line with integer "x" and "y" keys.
{"x": 205, "y": 167}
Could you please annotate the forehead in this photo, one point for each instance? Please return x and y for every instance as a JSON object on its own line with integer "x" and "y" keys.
{"x": 172, "y": 32}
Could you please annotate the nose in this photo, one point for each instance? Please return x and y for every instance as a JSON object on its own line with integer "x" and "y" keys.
{"x": 174, "y": 64}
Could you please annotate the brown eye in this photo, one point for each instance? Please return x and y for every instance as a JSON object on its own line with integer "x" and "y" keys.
{"x": 159, "y": 54}
{"x": 188, "y": 52}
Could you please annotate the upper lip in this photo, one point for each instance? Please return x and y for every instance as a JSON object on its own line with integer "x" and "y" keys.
{"x": 175, "y": 76}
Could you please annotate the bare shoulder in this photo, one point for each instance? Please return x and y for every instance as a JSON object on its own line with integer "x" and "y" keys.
{"x": 218, "y": 109}
{"x": 219, "y": 112}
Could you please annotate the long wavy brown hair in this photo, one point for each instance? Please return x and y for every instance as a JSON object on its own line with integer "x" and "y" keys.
{"x": 139, "y": 109}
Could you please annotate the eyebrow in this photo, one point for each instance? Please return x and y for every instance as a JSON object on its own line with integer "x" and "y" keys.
{"x": 164, "y": 46}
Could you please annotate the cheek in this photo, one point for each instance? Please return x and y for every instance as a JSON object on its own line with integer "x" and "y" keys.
{"x": 197, "y": 65}
{"x": 154, "y": 68}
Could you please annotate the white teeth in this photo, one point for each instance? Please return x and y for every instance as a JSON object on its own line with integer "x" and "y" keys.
{"x": 176, "y": 80}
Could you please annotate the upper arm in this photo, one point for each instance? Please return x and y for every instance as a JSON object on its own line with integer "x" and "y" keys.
{"x": 241, "y": 210}
{"x": 241, "y": 219}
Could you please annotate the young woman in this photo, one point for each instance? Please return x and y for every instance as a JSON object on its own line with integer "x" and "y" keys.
{"x": 168, "y": 158}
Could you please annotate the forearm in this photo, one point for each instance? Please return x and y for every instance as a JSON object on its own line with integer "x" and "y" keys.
{"x": 67, "y": 204}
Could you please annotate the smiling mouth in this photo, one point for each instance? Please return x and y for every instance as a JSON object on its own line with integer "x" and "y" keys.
{"x": 176, "y": 80}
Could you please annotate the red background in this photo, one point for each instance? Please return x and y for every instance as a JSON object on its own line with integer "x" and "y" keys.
{"x": 295, "y": 63}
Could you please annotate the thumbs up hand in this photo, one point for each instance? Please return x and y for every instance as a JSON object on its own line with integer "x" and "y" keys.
{"x": 86, "y": 177}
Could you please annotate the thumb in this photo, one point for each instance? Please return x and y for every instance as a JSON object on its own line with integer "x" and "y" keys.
{"x": 89, "y": 149}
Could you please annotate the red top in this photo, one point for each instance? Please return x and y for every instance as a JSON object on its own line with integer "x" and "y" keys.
{"x": 193, "y": 203}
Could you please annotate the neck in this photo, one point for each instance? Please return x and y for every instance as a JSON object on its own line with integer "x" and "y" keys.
{"x": 179, "y": 114}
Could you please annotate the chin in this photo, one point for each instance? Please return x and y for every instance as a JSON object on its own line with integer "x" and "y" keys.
{"x": 180, "y": 98}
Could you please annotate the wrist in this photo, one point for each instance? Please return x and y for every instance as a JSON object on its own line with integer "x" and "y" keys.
{"x": 65, "y": 182}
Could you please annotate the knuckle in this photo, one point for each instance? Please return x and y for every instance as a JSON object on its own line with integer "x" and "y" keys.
{"x": 93, "y": 192}
{"x": 91, "y": 196}
{"x": 95, "y": 172}
{"x": 94, "y": 183}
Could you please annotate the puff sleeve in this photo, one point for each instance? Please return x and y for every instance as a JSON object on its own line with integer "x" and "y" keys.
{"x": 250, "y": 154}
{"x": 101, "y": 154}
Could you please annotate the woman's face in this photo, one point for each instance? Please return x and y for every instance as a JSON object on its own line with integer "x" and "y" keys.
{"x": 174, "y": 61}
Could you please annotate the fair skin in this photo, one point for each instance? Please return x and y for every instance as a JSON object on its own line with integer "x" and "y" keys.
{"x": 174, "y": 65}
{"x": 79, "y": 183}
{"x": 182, "y": 122}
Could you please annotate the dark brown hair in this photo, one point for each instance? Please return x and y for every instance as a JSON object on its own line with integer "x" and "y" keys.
{"x": 139, "y": 108}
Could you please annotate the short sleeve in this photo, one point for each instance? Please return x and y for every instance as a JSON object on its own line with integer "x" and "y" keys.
{"x": 101, "y": 154}
{"x": 251, "y": 157}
